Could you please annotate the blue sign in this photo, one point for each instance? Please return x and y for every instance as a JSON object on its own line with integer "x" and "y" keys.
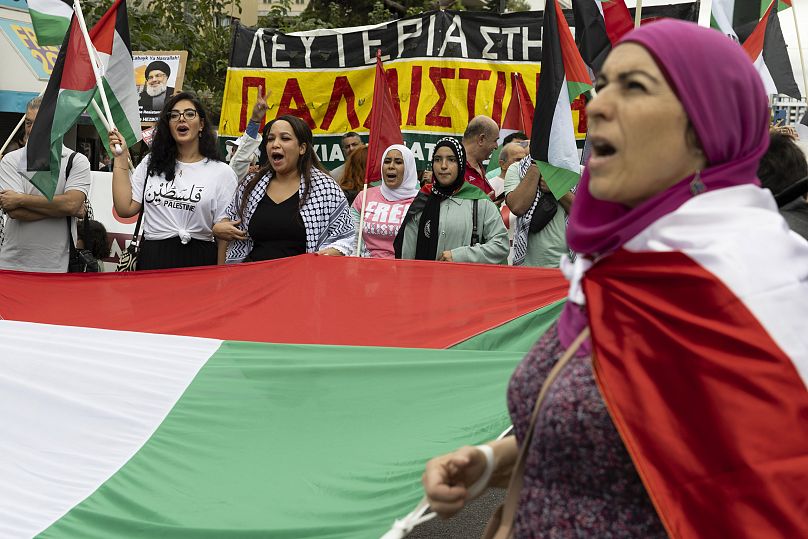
{"x": 15, "y": 4}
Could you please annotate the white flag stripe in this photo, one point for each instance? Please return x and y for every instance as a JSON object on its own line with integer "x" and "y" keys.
{"x": 563, "y": 152}
{"x": 77, "y": 404}
{"x": 722, "y": 230}
{"x": 56, "y": 8}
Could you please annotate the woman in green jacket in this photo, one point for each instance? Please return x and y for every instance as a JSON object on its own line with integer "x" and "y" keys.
{"x": 451, "y": 220}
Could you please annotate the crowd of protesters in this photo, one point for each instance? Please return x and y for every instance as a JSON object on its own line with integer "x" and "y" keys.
{"x": 655, "y": 150}
{"x": 275, "y": 199}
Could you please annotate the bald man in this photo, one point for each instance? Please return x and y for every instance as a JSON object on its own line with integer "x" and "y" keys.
{"x": 479, "y": 141}
{"x": 510, "y": 154}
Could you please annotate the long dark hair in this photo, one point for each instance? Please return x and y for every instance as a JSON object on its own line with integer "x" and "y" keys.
{"x": 305, "y": 163}
{"x": 164, "y": 148}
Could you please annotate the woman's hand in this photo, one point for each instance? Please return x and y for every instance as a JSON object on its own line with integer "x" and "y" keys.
{"x": 115, "y": 137}
{"x": 228, "y": 231}
{"x": 445, "y": 256}
{"x": 448, "y": 478}
{"x": 260, "y": 108}
{"x": 330, "y": 252}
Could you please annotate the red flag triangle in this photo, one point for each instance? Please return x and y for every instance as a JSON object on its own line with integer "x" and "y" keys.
{"x": 385, "y": 128}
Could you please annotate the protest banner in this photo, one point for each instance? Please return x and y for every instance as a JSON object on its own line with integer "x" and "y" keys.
{"x": 443, "y": 67}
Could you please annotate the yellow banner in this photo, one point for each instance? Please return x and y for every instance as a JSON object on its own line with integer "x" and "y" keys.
{"x": 434, "y": 96}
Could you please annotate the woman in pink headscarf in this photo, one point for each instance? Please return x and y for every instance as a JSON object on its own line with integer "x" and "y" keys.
{"x": 685, "y": 411}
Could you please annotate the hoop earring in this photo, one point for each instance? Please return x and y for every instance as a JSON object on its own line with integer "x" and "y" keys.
{"x": 697, "y": 186}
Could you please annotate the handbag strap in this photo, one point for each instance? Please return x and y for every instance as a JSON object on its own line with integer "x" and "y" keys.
{"x": 136, "y": 235}
{"x": 517, "y": 475}
{"x": 69, "y": 219}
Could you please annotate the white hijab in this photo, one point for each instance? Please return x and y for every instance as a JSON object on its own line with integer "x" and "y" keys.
{"x": 410, "y": 186}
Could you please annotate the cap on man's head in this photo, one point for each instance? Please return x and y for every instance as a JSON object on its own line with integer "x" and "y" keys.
{"x": 158, "y": 65}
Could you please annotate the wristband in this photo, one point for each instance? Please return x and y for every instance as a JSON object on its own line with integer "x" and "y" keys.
{"x": 482, "y": 483}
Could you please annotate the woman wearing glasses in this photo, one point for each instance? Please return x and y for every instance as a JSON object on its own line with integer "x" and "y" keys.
{"x": 183, "y": 184}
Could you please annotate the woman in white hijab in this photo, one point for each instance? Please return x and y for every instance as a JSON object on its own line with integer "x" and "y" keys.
{"x": 387, "y": 204}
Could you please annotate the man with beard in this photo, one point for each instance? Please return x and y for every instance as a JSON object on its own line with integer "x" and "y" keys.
{"x": 155, "y": 91}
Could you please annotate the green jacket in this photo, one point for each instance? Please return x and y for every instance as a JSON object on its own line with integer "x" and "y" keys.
{"x": 456, "y": 228}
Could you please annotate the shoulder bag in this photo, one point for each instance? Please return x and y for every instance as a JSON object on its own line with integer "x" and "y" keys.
{"x": 500, "y": 526}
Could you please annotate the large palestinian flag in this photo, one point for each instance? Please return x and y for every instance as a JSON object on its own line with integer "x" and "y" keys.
{"x": 703, "y": 363}
{"x": 163, "y": 404}
{"x": 110, "y": 35}
{"x": 766, "y": 46}
{"x": 69, "y": 91}
{"x": 563, "y": 78}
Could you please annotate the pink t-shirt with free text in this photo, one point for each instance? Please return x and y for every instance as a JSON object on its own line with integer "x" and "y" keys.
{"x": 383, "y": 218}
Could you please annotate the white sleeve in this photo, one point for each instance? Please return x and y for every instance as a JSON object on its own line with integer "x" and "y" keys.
{"x": 242, "y": 159}
{"x": 79, "y": 179}
{"x": 138, "y": 180}
{"x": 225, "y": 193}
{"x": 10, "y": 178}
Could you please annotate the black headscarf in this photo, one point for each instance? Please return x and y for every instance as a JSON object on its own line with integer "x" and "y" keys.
{"x": 429, "y": 227}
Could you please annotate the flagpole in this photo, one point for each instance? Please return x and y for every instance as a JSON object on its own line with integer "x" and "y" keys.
{"x": 637, "y": 14}
{"x": 107, "y": 127}
{"x": 11, "y": 136}
{"x": 93, "y": 62}
{"x": 799, "y": 47}
{"x": 362, "y": 220}
{"x": 705, "y": 10}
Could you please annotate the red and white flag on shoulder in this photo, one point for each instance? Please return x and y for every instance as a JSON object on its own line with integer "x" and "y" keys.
{"x": 703, "y": 365}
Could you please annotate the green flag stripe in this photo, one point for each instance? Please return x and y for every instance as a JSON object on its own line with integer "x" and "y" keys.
{"x": 518, "y": 335}
{"x": 69, "y": 106}
{"x": 574, "y": 89}
{"x": 290, "y": 441}
{"x": 49, "y": 29}
{"x": 118, "y": 116}
{"x": 559, "y": 180}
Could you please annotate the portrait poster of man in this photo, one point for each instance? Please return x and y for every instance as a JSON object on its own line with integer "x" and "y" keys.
{"x": 158, "y": 74}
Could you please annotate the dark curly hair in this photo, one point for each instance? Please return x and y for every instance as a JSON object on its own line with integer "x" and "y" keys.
{"x": 305, "y": 163}
{"x": 97, "y": 241}
{"x": 163, "y": 158}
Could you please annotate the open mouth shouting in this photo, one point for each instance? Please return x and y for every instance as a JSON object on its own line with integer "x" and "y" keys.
{"x": 603, "y": 151}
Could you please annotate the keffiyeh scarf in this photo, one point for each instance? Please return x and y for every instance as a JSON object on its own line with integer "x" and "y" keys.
{"x": 325, "y": 215}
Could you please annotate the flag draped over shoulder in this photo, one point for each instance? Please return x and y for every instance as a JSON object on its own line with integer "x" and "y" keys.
{"x": 51, "y": 19}
{"x": 563, "y": 78}
{"x": 385, "y": 124}
{"x": 152, "y": 415}
{"x": 69, "y": 91}
{"x": 702, "y": 370}
{"x": 110, "y": 35}
{"x": 766, "y": 46}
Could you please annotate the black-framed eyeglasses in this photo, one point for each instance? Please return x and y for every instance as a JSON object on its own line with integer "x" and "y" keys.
{"x": 187, "y": 114}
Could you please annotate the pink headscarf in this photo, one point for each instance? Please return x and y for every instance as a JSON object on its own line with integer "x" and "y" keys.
{"x": 724, "y": 99}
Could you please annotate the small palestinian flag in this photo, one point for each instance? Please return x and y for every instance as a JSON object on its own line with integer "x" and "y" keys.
{"x": 563, "y": 78}
{"x": 385, "y": 123}
{"x": 767, "y": 49}
{"x": 519, "y": 115}
{"x": 51, "y": 19}
{"x": 70, "y": 89}
{"x": 110, "y": 35}
{"x": 598, "y": 26}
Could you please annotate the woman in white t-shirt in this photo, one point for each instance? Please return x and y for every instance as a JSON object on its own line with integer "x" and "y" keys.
{"x": 187, "y": 188}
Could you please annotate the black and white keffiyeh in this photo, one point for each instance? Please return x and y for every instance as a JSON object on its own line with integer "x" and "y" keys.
{"x": 325, "y": 215}
{"x": 520, "y": 237}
